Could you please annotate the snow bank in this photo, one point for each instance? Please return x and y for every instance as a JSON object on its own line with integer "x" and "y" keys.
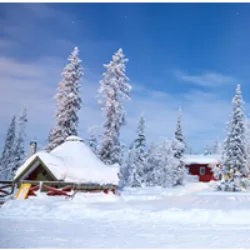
{"x": 183, "y": 205}
{"x": 157, "y": 193}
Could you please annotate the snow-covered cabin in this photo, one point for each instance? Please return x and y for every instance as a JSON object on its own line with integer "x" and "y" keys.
{"x": 72, "y": 161}
{"x": 200, "y": 165}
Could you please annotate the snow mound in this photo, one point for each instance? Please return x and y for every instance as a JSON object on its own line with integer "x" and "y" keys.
{"x": 157, "y": 193}
{"x": 174, "y": 206}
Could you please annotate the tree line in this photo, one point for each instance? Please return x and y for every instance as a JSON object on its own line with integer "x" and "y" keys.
{"x": 13, "y": 153}
{"x": 142, "y": 164}
{"x": 139, "y": 166}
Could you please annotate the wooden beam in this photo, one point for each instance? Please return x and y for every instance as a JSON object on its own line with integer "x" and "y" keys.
{"x": 7, "y": 188}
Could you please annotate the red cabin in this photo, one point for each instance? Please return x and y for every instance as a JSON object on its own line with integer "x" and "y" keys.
{"x": 199, "y": 165}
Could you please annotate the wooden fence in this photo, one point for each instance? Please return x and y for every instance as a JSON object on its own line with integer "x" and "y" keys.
{"x": 55, "y": 188}
{"x": 6, "y": 188}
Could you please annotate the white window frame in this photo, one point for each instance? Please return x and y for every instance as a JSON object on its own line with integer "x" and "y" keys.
{"x": 202, "y": 170}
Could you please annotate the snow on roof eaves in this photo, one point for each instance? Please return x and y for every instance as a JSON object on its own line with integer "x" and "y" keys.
{"x": 56, "y": 166}
{"x": 201, "y": 159}
{"x": 83, "y": 164}
{"x": 74, "y": 160}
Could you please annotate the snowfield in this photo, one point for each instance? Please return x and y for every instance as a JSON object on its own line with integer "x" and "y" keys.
{"x": 182, "y": 217}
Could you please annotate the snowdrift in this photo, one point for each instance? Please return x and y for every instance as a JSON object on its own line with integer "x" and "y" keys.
{"x": 191, "y": 204}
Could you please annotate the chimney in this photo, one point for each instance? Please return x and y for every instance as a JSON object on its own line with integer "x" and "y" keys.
{"x": 33, "y": 147}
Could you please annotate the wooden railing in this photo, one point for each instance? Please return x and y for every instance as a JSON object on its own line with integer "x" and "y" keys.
{"x": 6, "y": 188}
{"x": 53, "y": 188}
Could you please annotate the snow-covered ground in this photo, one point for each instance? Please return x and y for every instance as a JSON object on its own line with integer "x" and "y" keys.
{"x": 184, "y": 217}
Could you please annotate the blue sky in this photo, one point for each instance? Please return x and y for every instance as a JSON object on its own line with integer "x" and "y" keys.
{"x": 188, "y": 55}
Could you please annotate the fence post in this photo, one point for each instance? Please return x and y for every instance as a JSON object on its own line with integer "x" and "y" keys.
{"x": 40, "y": 186}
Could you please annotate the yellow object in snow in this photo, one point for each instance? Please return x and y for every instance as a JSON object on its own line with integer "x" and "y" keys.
{"x": 23, "y": 191}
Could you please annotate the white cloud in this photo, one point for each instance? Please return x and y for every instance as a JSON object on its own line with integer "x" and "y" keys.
{"x": 207, "y": 79}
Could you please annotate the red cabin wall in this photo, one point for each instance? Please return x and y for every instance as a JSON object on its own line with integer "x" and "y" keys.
{"x": 194, "y": 169}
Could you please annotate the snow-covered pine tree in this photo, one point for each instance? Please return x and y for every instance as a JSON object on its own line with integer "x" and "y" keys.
{"x": 68, "y": 102}
{"x": 161, "y": 161}
{"x": 140, "y": 147}
{"x": 7, "y": 159}
{"x": 171, "y": 173}
{"x": 73, "y": 101}
{"x": 123, "y": 166}
{"x": 140, "y": 141}
{"x": 179, "y": 147}
{"x": 19, "y": 150}
{"x": 123, "y": 154}
{"x": 113, "y": 88}
{"x": 131, "y": 177}
{"x": 92, "y": 140}
{"x": 126, "y": 165}
{"x": 137, "y": 156}
{"x": 57, "y": 135}
{"x": 234, "y": 169}
{"x": 152, "y": 159}
{"x": 160, "y": 164}
{"x": 248, "y": 141}
{"x": 217, "y": 147}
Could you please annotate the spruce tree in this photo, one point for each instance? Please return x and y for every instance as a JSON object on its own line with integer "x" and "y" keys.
{"x": 160, "y": 163}
{"x": 126, "y": 165}
{"x": 92, "y": 140}
{"x": 248, "y": 141}
{"x": 123, "y": 152}
{"x": 19, "y": 150}
{"x": 234, "y": 165}
{"x": 151, "y": 164}
{"x": 217, "y": 147}
{"x": 140, "y": 141}
{"x": 136, "y": 159}
{"x": 68, "y": 102}
{"x": 179, "y": 147}
{"x": 57, "y": 134}
{"x": 113, "y": 88}
{"x": 7, "y": 159}
{"x": 139, "y": 150}
{"x": 170, "y": 166}
{"x": 131, "y": 174}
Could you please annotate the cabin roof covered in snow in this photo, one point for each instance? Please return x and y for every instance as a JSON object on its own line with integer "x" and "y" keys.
{"x": 74, "y": 161}
{"x": 201, "y": 159}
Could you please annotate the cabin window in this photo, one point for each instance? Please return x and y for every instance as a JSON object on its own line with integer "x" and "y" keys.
{"x": 202, "y": 170}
